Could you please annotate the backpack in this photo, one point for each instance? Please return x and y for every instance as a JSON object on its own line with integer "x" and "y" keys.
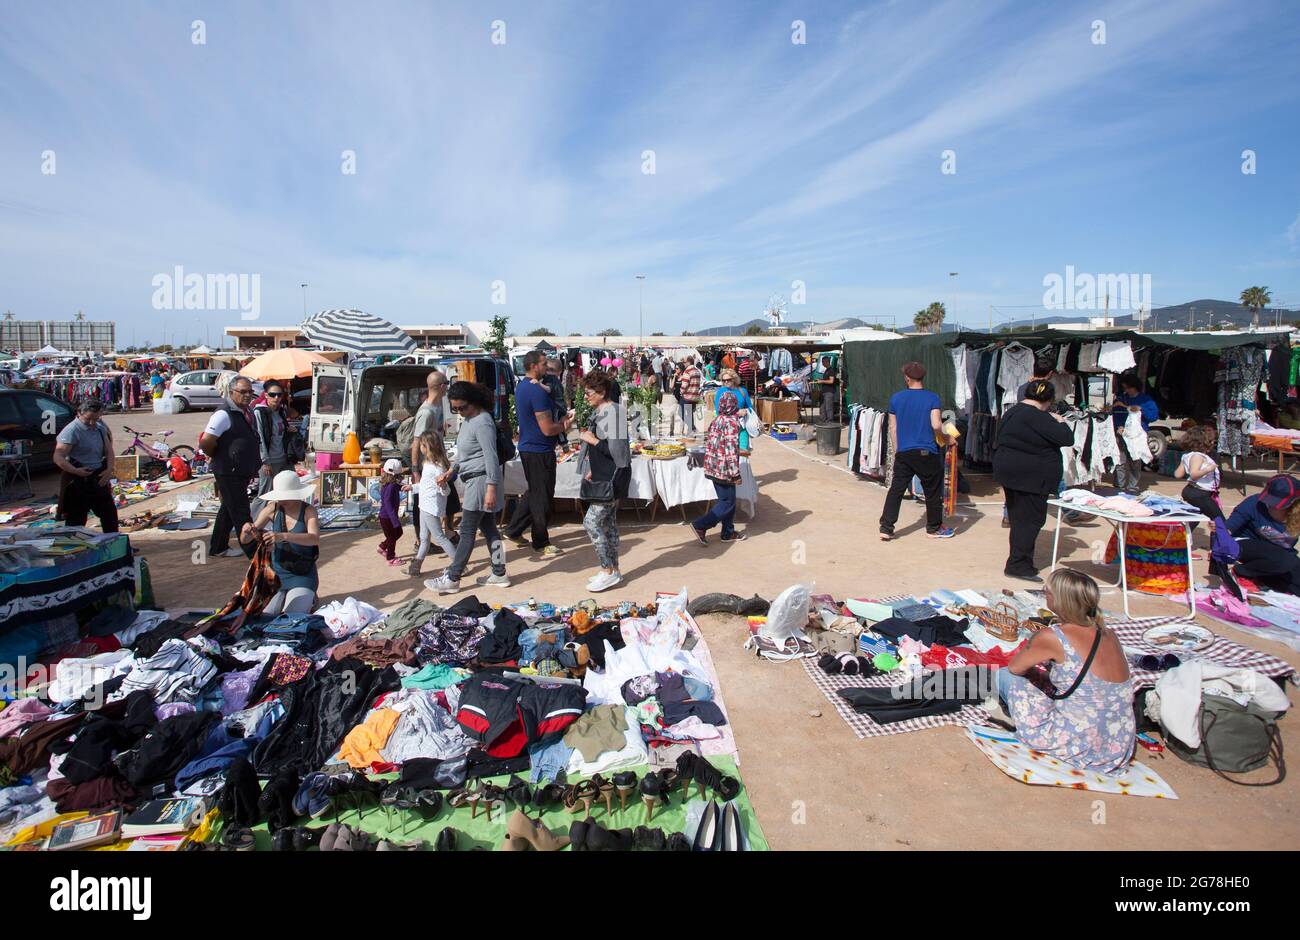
{"x": 406, "y": 435}
{"x": 179, "y": 469}
{"x": 505, "y": 446}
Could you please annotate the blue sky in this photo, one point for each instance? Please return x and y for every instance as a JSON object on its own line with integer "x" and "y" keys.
{"x": 522, "y": 162}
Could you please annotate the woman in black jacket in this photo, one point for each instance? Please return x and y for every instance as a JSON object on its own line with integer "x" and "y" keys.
{"x": 1027, "y": 464}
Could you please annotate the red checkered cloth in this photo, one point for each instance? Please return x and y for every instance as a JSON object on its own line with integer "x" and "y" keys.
{"x": 1223, "y": 651}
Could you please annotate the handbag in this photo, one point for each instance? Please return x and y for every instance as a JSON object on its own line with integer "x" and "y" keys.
{"x": 752, "y": 424}
{"x": 1039, "y": 679}
{"x": 1235, "y": 739}
{"x": 295, "y": 448}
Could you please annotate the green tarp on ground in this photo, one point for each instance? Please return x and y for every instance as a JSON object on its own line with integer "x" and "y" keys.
{"x": 479, "y": 832}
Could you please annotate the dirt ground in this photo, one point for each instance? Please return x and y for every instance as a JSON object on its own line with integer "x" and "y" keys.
{"x": 814, "y": 784}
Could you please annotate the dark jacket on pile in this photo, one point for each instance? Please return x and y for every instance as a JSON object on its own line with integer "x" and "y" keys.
{"x": 319, "y": 710}
{"x": 1027, "y": 451}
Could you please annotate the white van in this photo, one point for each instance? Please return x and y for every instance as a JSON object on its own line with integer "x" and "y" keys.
{"x": 343, "y": 401}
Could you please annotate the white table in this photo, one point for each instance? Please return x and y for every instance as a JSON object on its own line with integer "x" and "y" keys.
{"x": 672, "y": 481}
{"x": 1121, "y": 523}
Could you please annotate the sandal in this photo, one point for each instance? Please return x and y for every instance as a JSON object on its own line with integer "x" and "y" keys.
{"x": 550, "y": 794}
{"x": 604, "y": 791}
{"x": 654, "y": 788}
{"x": 491, "y": 796}
{"x": 580, "y": 794}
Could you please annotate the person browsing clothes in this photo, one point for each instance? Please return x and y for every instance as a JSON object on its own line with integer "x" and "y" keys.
{"x": 914, "y": 422}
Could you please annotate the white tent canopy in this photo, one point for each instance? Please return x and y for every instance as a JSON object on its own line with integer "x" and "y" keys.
{"x": 48, "y": 350}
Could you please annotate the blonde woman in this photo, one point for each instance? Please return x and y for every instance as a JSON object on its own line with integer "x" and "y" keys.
{"x": 1068, "y": 689}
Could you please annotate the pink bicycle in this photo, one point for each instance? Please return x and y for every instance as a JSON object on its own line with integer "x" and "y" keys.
{"x": 157, "y": 450}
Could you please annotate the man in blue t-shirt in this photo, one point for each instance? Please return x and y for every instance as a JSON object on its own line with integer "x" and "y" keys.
{"x": 914, "y": 423}
{"x": 539, "y": 433}
{"x": 1128, "y": 469}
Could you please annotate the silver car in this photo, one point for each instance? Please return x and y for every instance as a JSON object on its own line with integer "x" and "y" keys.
{"x": 199, "y": 389}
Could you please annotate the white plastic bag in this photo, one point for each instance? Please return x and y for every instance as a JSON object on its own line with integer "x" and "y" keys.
{"x": 786, "y": 619}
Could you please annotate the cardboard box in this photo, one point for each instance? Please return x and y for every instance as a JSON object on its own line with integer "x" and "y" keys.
{"x": 777, "y": 410}
{"x": 126, "y": 467}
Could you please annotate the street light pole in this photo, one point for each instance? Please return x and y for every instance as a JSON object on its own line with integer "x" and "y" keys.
{"x": 640, "y": 310}
{"x": 304, "y": 301}
{"x": 953, "y": 274}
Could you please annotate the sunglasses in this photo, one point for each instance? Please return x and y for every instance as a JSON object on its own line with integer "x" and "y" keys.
{"x": 275, "y": 394}
{"x": 1158, "y": 663}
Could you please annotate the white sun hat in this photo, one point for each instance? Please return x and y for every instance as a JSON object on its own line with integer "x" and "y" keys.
{"x": 287, "y": 487}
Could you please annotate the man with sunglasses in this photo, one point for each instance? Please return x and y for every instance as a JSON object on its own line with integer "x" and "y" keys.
{"x": 269, "y": 415}
{"x": 232, "y": 442}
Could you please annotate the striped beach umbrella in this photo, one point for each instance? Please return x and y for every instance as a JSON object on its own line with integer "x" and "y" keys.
{"x": 357, "y": 332}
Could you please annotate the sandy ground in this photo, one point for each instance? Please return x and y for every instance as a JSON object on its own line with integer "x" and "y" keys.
{"x": 814, "y": 784}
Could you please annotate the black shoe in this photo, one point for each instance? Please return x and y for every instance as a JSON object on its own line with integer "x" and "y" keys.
{"x": 731, "y": 841}
{"x": 701, "y": 537}
{"x": 446, "y": 841}
{"x": 708, "y": 837}
{"x": 1031, "y": 576}
{"x": 734, "y": 537}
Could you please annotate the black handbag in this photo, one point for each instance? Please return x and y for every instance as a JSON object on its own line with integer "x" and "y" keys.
{"x": 1039, "y": 679}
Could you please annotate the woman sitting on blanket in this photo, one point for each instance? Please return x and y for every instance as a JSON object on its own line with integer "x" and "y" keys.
{"x": 1093, "y": 727}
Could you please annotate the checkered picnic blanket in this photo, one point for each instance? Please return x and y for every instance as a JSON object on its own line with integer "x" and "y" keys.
{"x": 1223, "y": 651}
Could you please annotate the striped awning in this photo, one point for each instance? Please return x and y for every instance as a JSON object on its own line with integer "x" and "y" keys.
{"x": 357, "y": 332}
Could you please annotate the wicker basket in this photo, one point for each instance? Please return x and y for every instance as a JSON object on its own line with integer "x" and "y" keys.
{"x": 1001, "y": 620}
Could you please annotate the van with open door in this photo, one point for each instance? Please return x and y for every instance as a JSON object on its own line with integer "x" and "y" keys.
{"x": 371, "y": 401}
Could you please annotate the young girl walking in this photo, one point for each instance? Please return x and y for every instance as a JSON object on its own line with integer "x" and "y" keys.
{"x": 433, "y": 462}
{"x": 390, "y": 500}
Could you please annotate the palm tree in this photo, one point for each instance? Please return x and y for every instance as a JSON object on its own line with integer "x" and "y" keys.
{"x": 922, "y": 321}
{"x": 936, "y": 312}
{"x": 1255, "y": 299}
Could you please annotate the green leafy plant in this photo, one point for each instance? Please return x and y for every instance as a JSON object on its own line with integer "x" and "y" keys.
{"x": 495, "y": 342}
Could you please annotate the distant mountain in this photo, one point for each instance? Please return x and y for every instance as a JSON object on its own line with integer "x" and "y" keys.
{"x": 849, "y": 323}
{"x": 1218, "y": 314}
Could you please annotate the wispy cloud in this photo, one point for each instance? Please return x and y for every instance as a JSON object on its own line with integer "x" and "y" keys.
{"x": 523, "y": 162}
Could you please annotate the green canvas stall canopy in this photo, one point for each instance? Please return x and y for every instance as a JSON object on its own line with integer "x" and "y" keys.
{"x": 873, "y": 370}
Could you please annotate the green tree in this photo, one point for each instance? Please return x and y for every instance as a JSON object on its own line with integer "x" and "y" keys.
{"x": 541, "y": 331}
{"x": 495, "y": 341}
{"x": 922, "y": 321}
{"x": 610, "y": 332}
{"x": 657, "y": 333}
{"x": 936, "y": 312}
{"x": 755, "y": 330}
{"x": 1255, "y": 299}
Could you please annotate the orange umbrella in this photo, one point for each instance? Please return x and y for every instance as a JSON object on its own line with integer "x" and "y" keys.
{"x": 287, "y": 363}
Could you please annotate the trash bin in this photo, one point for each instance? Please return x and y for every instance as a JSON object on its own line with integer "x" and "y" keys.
{"x": 828, "y": 438}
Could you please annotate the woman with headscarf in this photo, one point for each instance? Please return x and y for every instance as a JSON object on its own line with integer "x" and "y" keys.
{"x": 722, "y": 466}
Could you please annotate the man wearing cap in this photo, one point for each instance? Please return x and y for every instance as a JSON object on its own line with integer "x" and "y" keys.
{"x": 82, "y": 452}
{"x": 914, "y": 423}
{"x": 1266, "y": 540}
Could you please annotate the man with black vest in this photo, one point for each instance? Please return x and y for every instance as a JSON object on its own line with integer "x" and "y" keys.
{"x": 231, "y": 441}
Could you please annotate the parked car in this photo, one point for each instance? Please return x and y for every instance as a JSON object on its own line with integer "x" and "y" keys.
{"x": 198, "y": 389}
{"x": 29, "y": 415}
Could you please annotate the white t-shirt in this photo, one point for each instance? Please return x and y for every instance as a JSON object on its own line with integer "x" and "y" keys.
{"x": 1209, "y": 482}
{"x": 219, "y": 423}
{"x": 433, "y": 498}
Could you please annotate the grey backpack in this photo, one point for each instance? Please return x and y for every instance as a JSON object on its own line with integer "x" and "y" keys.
{"x": 1235, "y": 739}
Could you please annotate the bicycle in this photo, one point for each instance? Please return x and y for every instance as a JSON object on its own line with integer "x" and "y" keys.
{"x": 158, "y": 450}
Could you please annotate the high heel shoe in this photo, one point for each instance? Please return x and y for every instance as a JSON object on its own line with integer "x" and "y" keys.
{"x": 708, "y": 835}
{"x": 604, "y": 791}
{"x": 580, "y": 794}
{"x": 522, "y": 826}
{"x": 552, "y": 794}
{"x": 653, "y": 790}
{"x": 519, "y": 793}
{"x": 491, "y": 796}
{"x": 625, "y": 784}
{"x": 691, "y": 766}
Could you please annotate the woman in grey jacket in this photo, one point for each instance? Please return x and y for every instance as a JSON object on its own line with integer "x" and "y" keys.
{"x": 478, "y": 467}
{"x": 604, "y": 466}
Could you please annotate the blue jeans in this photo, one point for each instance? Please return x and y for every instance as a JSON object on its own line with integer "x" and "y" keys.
{"x": 688, "y": 414}
{"x": 724, "y": 510}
